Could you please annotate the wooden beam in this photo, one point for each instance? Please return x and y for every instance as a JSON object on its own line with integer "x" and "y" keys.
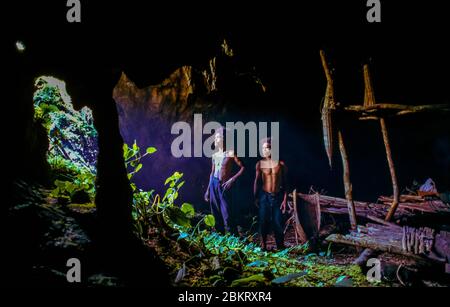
{"x": 369, "y": 101}
{"x": 391, "y": 109}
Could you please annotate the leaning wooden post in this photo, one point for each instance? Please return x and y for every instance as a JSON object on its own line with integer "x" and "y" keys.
{"x": 347, "y": 182}
{"x": 299, "y": 231}
{"x": 395, "y": 190}
{"x": 328, "y": 106}
{"x": 369, "y": 100}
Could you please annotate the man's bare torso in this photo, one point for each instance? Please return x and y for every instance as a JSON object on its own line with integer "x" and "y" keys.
{"x": 223, "y": 164}
{"x": 272, "y": 175}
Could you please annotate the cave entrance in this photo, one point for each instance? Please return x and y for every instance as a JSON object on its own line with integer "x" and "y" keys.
{"x": 72, "y": 137}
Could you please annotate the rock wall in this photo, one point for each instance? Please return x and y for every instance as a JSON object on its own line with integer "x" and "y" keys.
{"x": 147, "y": 114}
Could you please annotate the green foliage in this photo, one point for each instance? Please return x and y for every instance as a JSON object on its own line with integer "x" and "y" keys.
{"x": 149, "y": 206}
{"x": 188, "y": 210}
{"x": 210, "y": 220}
{"x": 250, "y": 281}
{"x": 47, "y": 100}
{"x": 289, "y": 267}
{"x": 72, "y": 138}
{"x": 62, "y": 168}
{"x": 142, "y": 211}
{"x": 133, "y": 157}
{"x": 71, "y": 133}
{"x": 82, "y": 181}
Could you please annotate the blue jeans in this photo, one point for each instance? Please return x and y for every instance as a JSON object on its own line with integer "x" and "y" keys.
{"x": 270, "y": 216}
{"x": 220, "y": 202}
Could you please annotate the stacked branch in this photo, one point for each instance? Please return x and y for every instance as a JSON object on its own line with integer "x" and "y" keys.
{"x": 377, "y": 211}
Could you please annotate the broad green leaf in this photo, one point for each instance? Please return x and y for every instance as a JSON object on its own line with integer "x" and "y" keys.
{"x": 174, "y": 196}
{"x": 151, "y": 150}
{"x": 168, "y": 193}
{"x": 138, "y": 168}
{"x": 128, "y": 154}
{"x": 188, "y": 209}
{"x": 210, "y": 220}
{"x": 178, "y": 217}
{"x": 180, "y": 185}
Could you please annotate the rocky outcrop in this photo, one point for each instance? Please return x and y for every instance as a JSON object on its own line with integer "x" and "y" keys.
{"x": 147, "y": 114}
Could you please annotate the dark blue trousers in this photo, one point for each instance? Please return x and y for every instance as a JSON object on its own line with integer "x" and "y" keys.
{"x": 220, "y": 202}
{"x": 271, "y": 217}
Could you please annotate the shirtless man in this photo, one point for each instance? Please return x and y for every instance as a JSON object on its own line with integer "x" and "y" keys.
{"x": 218, "y": 193}
{"x": 271, "y": 199}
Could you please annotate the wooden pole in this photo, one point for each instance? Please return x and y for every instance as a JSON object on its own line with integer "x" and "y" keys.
{"x": 329, "y": 105}
{"x": 347, "y": 183}
{"x": 369, "y": 101}
{"x": 369, "y": 96}
{"x": 395, "y": 189}
{"x": 299, "y": 232}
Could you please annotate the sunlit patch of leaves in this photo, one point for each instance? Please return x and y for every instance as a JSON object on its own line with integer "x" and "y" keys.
{"x": 72, "y": 139}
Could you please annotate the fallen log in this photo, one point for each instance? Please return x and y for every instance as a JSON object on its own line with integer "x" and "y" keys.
{"x": 407, "y": 241}
{"x": 369, "y": 242}
{"x": 336, "y": 205}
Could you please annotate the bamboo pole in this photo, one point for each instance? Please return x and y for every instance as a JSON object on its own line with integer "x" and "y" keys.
{"x": 347, "y": 182}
